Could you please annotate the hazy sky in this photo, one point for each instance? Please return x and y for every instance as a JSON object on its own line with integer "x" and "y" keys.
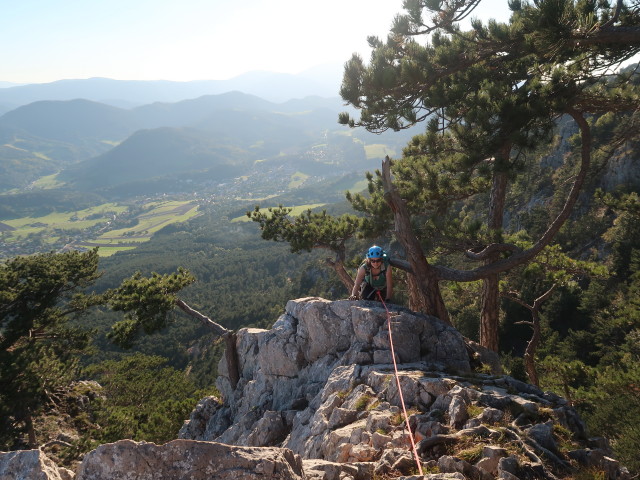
{"x": 48, "y": 40}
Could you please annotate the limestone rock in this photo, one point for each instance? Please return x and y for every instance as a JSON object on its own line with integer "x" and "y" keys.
{"x": 314, "y": 384}
{"x": 449, "y": 464}
{"x": 30, "y": 465}
{"x": 490, "y": 458}
{"x": 312, "y": 402}
{"x": 191, "y": 459}
{"x": 308, "y": 355}
{"x": 196, "y": 426}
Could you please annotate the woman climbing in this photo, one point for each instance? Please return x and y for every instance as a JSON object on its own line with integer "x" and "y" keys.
{"x": 375, "y": 272}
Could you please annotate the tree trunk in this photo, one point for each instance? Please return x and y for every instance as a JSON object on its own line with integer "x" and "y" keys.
{"x": 416, "y": 302}
{"x": 490, "y": 313}
{"x": 530, "y": 352}
{"x": 425, "y": 289}
{"x": 343, "y": 275}
{"x": 230, "y": 352}
{"x": 519, "y": 258}
{"x": 231, "y": 356}
{"x": 31, "y": 432}
{"x": 416, "y": 299}
{"x": 532, "y": 345}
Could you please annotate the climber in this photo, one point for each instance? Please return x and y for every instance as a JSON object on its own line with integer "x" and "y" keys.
{"x": 374, "y": 275}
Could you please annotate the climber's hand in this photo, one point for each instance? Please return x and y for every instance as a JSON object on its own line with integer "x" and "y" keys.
{"x": 353, "y": 297}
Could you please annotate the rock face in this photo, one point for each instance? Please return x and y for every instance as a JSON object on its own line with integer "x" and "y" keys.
{"x": 317, "y": 348}
{"x": 318, "y": 398}
{"x": 321, "y": 384}
{"x": 126, "y": 460}
{"x": 30, "y": 465}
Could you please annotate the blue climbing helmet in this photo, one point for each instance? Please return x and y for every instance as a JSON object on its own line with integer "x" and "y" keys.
{"x": 375, "y": 252}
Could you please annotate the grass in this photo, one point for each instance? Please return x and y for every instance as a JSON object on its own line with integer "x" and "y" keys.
{"x": 397, "y": 419}
{"x": 374, "y": 405}
{"x": 378, "y": 150}
{"x": 564, "y": 437}
{"x": 108, "y": 251}
{"x": 48, "y": 182}
{"x": 158, "y": 215}
{"x": 474, "y": 410}
{"x": 297, "y": 210}
{"x": 67, "y": 221}
{"x": 362, "y": 403}
{"x": 592, "y": 473}
{"x": 342, "y": 394}
{"x": 472, "y": 454}
{"x": 297, "y": 179}
{"x": 157, "y": 208}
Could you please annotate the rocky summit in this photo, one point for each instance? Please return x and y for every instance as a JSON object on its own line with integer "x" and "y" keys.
{"x": 316, "y": 397}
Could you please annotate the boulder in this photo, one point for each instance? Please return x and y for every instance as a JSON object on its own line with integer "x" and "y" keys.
{"x": 30, "y": 465}
{"x": 190, "y": 459}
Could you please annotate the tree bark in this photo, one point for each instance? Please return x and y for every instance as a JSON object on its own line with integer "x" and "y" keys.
{"x": 416, "y": 301}
{"x": 530, "y": 352}
{"x": 490, "y": 312}
{"x": 609, "y": 35}
{"x": 425, "y": 288}
{"x": 229, "y": 336}
{"x": 231, "y": 356}
{"x": 31, "y": 432}
{"x": 490, "y": 309}
{"x": 532, "y": 345}
{"x": 216, "y": 328}
{"x": 338, "y": 266}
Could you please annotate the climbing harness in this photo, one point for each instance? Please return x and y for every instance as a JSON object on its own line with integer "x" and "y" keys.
{"x": 395, "y": 368}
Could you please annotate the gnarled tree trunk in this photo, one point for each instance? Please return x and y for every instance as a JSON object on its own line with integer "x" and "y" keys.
{"x": 425, "y": 289}
{"x": 338, "y": 267}
{"x": 532, "y": 345}
{"x": 229, "y": 336}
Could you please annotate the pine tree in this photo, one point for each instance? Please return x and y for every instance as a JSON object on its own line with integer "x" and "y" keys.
{"x": 490, "y": 95}
{"x": 39, "y": 349}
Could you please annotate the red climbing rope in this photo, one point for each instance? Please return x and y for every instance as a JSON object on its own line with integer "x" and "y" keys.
{"x": 395, "y": 368}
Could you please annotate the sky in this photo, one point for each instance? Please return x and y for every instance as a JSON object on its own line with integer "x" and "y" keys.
{"x": 182, "y": 40}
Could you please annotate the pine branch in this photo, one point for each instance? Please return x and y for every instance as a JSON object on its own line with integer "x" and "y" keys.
{"x": 206, "y": 321}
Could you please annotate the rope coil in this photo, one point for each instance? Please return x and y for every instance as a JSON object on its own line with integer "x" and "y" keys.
{"x": 395, "y": 368}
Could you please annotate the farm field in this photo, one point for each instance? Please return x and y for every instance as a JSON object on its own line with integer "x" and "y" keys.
{"x": 297, "y": 210}
{"x": 110, "y": 226}
{"x": 297, "y": 179}
{"x": 378, "y": 150}
{"x": 158, "y": 215}
{"x": 47, "y": 182}
{"x": 63, "y": 221}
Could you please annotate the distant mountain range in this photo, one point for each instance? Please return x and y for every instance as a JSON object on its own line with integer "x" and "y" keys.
{"x": 9, "y": 84}
{"x": 322, "y": 81}
{"x": 99, "y": 146}
{"x": 150, "y": 154}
